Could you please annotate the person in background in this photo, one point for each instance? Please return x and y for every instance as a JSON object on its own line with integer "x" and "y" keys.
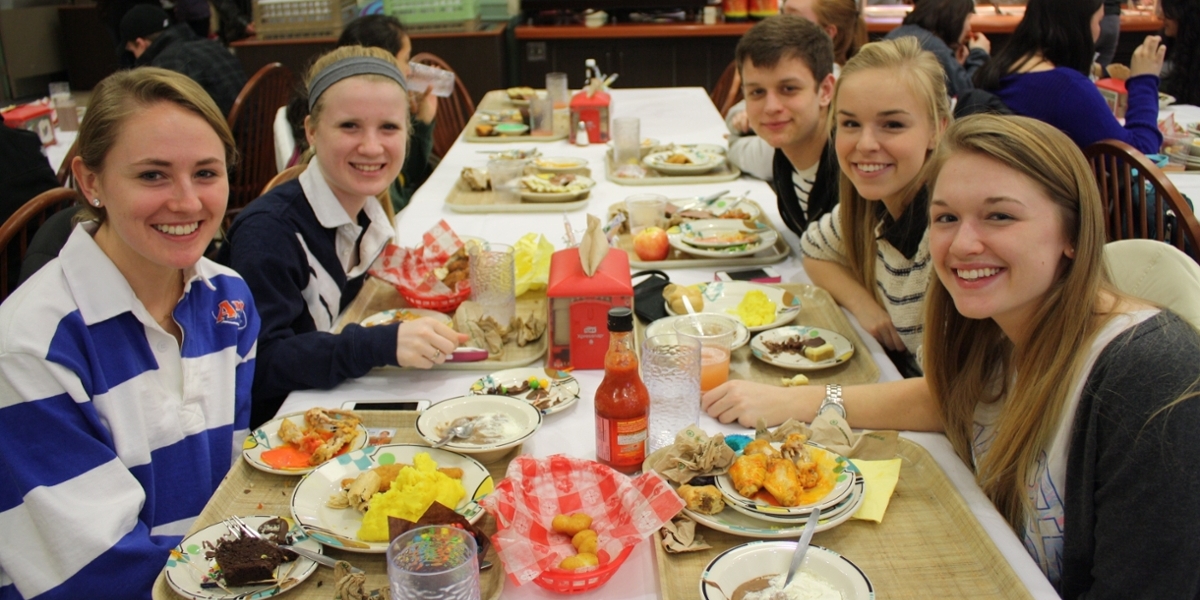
{"x": 125, "y": 363}
{"x": 147, "y": 33}
{"x": 305, "y": 246}
{"x": 1181, "y": 23}
{"x": 1042, "y": 72}
{"x": 197, "y": 14}
{"x": 1110, "y": 34}
{"x": 24, "y": 173}
{"x": 385, "y": 31}
{"x": 944, "y": 28}
{"x": 872, "y": 252}
{"x": 844, "y": 24}
{"x": 786, "y": 65}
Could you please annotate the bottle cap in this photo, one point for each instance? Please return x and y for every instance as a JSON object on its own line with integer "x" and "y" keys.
{"x": 620, "y": 319}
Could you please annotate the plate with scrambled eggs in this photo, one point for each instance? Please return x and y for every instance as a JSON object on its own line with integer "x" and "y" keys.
{"x": 759, "y": 307}
{"x": 338, "y": 508}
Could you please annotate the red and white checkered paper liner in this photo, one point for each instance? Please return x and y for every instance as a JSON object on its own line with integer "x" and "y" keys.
{"x": 624, "y": 511}
{"x": 412, "y": 268}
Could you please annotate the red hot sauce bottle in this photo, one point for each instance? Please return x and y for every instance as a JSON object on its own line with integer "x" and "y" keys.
{"x": 622, "y": 402}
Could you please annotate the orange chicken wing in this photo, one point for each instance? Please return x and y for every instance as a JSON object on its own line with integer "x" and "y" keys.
{"x": 783, "y": 481}
{"x": 761, "y": 446}
{"x": 748, "y": 473}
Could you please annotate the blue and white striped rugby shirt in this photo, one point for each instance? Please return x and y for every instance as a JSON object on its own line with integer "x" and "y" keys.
{"x": 113, "y": 436}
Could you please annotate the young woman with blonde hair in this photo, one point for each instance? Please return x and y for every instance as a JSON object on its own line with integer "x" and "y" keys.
{"x": 125, "y": 362}
{"x": 305, "y": 246}
{"x": 1074, "y": 404}
{"x": 889, "y": 111}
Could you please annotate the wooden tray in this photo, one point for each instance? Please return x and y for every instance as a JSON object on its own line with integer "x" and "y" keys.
{"x": 678, "y": 259}
{"x": 498, "y": 100}
{"x": 726, "y": 172}
{"x": 248, "y": 491}
{"x": 929, "y": 545}
{"x": 378, "y": 295}
{"x": 818, "y": 309}
{"x": 465, "y": 200}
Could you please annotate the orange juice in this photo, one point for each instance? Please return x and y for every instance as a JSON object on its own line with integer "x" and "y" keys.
{"x": 714, "y": 367}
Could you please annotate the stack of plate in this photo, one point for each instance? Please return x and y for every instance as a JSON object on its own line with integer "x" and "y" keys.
{"x": 722, "y": 238}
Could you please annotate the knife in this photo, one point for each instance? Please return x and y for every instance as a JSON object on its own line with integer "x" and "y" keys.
{"x": 317, "y": 557}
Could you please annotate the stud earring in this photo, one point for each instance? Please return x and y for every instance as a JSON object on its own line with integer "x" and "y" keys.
{"x": 96, "y": 202}
{"x": 1070, "y": 252}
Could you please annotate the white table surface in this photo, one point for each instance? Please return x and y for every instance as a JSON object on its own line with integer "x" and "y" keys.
{"x": 682, "y": 115}
{"x": 1188, "y": 182}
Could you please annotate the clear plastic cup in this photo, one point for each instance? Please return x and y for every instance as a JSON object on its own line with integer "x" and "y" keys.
{"x": 671, "y": 372}
{"x": 438, "y": 561}
{"x": 505, "y": 175}
{"x": 422, "y": 77}
{"x": 715, "y": 334}
{"x": 541, "y": 116}
{"x": 494, "y": 280}
{"x": 645, "y": 210}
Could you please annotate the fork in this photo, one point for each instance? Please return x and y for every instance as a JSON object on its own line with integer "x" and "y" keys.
{"x": 237, "y": 526}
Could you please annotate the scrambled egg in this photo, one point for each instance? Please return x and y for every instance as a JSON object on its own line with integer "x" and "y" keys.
{"x": 755, "y": 309}
{"x": 414, "y": 490}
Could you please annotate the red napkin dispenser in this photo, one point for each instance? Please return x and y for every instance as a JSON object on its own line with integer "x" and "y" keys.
{"x": 577, "y": 325}
{"x": 1114, "y": 94}
{"x": 33, "y": 117}
{"x": 594, "y": 112}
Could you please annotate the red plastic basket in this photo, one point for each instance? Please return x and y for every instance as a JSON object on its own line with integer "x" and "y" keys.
{"x": 446, "y": 303}
{"x": 571, "y": 582}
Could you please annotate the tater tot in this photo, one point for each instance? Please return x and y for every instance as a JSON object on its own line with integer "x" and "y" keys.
{"x": 571, "y": 524}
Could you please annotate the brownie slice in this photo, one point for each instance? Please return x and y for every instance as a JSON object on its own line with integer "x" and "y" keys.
{"x": 248, "y": 560}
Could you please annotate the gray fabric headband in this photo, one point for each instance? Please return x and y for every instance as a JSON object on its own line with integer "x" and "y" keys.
{"x": 349, "y": 67}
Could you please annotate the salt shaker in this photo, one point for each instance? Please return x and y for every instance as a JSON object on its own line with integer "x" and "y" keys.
{"x": 581, "y": 134}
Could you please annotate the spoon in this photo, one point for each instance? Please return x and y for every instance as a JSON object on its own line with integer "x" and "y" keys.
{"x": 463, "y": 429}
{"x": 802, "y": 545}
{"x": 714, "y": 584}
{"x": 692, "y": 311}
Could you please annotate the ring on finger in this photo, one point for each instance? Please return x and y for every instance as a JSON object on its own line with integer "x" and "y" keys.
{"x": 437, "y": 354}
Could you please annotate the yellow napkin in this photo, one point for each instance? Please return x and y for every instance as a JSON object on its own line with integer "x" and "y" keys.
{"x": 531, "y": 258}
{"x": 881, "y": 477}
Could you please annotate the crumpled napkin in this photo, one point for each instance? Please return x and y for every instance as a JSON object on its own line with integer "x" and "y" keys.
{"x": 352, "y": 586}
{"x": 531, "y": 258}
{"x": 694, "y": 453}
{"x": 413, "y": 268}
{"x": 594, "y": 246}
{"x": 679, "y": 535}
{"x": 624, "y": 510}
{"x": 873, "y": 452}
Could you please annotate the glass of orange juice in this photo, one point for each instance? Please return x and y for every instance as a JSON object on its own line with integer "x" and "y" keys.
{"x": 715, "y": 334}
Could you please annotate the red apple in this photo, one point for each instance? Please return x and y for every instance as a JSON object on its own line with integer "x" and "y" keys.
{"x": 651, "y": 244}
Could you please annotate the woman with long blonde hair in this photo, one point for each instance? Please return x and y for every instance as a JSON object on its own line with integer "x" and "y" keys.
{"x": 889, "y": 111}
{"x": 1073, "y": 403}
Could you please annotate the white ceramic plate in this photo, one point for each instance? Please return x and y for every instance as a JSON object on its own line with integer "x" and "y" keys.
{"x": 564, "y": 388}
{"x": 388, "y": 316}
{"x": 667, "y": 325}
{"x": 735, "y": 522}
{"x": 701, "y": 162}
{"x": 842, "y": 472}
{"x": 559, "y": 164}
{"x": 433, "y": 421}
{"x": 753, "y": 560}
{"x": 851, "y": 502}
{"x": 529, "y": 196}
{"x": 843, "y": 350}
{"x": 721, "y": 205}
{"x": 187, "y": 565}
{"x": 338, "y": 528}
{"x": 1165, "y": 100}
{"x": 726, "y": 234}
{"x": 722, "y": 298}
{"x": 267, "y": 437}
{"x": 676, "y": 241}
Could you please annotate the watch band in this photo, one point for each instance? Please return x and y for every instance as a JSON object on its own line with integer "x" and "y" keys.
{"x": 833, "y": 399}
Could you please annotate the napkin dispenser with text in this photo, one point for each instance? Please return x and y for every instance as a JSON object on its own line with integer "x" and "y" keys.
{"x": 577, "y": 325}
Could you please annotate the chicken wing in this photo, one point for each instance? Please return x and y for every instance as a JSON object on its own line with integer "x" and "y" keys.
{"x": 794, "y": 448}
{"x": 748, "y": 473}
{"x": 783, "y": 481}
{"x": 761, "y": 446}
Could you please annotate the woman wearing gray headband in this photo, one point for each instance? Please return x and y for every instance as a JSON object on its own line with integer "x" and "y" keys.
{"x": 305, "y": 246}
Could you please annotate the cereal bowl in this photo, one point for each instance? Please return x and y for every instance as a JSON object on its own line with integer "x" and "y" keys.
{"x": 502, "y": 423}
{"x": 757, "y": 560}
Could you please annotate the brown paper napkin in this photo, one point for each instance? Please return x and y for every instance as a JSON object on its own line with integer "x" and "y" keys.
{"x": 693, "y": 454}
{"x": 594, "y": 246}
{"x": 679, "y": 535}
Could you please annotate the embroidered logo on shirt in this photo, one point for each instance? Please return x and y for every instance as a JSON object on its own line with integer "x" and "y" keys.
{"x": 231, "y": 312}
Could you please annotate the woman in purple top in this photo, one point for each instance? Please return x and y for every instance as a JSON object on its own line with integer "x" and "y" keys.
{"x": 1043, "y": 73}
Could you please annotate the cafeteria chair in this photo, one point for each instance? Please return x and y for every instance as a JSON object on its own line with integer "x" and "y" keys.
{"x": 251, "y": 119}
{"x": 65, "y": 177}
{"x": 294, "y": 171}
{"x": 18, "y": 230}
{"x": 1157, "y": 272}
{"x": 453, "y": 111}
{"x": 1139, "y": 201}
{"x": 728, "y": 90}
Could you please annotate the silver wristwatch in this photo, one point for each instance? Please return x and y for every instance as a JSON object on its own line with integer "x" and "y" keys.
{"x": 833, "y": 399}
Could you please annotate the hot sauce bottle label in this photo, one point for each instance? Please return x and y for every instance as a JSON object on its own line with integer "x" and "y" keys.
{"x": 621, "y": 441}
